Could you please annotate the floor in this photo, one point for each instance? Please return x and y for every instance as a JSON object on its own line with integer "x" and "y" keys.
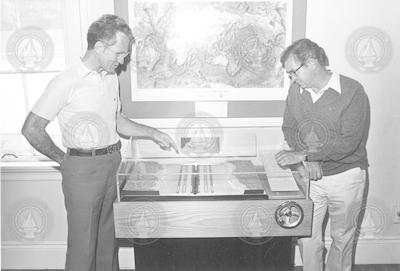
{"x": 382, "y": 267}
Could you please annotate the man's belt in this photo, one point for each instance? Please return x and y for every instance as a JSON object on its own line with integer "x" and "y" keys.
{"x": 93, "y": 152}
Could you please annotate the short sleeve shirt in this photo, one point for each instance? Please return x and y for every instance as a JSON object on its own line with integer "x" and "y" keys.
{"x": 86, "y": 103}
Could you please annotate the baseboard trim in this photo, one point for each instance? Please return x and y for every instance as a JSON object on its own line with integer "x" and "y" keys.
{"x": 369, "y": 251}
{"x": 51, "y": 255}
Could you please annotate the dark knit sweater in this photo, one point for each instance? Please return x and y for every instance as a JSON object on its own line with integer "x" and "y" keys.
{"x": 333, "y": 130}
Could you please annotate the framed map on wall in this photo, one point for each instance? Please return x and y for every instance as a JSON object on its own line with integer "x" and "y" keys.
{"x": 203, "y": 50}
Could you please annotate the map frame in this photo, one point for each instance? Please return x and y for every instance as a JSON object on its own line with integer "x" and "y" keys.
{"x": 245, "y": 87}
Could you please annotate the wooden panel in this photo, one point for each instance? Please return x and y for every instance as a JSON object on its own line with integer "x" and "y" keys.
{"x": 183, "y": 219}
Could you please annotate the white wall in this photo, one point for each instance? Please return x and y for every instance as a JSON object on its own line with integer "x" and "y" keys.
{"x": 330, "y": 23}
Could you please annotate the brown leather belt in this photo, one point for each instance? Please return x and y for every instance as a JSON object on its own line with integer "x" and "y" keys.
{"x": 93, "y": 152}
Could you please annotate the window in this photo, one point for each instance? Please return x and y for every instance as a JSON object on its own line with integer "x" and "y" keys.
{"x": 33, "y": 49}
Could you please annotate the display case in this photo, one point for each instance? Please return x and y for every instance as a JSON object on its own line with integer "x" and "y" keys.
{"x": 214, "y": 187}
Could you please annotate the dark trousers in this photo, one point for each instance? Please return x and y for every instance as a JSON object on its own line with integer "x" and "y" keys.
{"x": 89, "y": 187}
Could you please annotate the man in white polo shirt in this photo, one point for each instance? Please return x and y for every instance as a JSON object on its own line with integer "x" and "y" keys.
{"x": 85, "y": 98}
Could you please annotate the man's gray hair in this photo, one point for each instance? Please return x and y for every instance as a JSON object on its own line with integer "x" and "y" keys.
{"x": 303, "y": 50}
{"x": 105, "y": 28}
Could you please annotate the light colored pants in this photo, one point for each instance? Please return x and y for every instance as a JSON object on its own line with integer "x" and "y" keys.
{"x": 89, "y": 186}
{"x": 340, "y": 195}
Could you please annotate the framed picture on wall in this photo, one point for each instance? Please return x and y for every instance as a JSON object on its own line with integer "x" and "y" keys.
{"x": 209, "y": 50}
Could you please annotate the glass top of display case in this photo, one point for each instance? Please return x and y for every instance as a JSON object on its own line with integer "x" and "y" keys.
{"x": 205, "y": 177}
{"x": 210, "y": 163}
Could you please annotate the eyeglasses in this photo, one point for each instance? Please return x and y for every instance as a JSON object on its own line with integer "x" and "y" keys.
{"x": 293, "y": 74}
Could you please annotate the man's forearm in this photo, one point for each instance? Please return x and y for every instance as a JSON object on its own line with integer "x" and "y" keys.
{"x": 34, "y": 130}
{"x": 45, "y": 145}
{"x": 289, "y": 134}
{"x": 130, "y": 128}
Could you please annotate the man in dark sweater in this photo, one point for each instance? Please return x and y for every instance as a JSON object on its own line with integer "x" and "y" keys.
{"x": 325, "y": 124}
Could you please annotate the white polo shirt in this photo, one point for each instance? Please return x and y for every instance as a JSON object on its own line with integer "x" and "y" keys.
{"x": 86, "y": 103}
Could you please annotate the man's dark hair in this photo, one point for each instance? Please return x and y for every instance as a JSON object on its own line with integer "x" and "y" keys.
{"x": 105, "y": 28}
{"x": 303, "y": 50}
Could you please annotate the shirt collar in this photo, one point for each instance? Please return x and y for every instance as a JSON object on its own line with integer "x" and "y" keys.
{"x": 84, "y": 71}
{"x": 333, "y": 83}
